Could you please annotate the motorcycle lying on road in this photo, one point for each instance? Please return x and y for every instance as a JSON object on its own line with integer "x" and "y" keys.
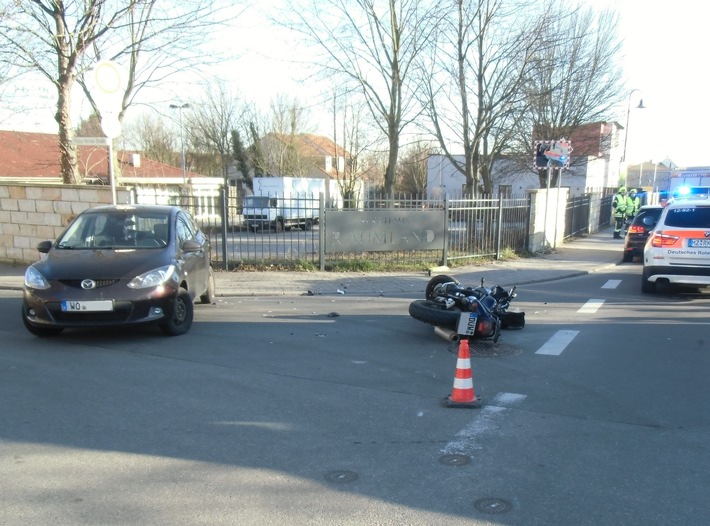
{"x": 459, "y": 312}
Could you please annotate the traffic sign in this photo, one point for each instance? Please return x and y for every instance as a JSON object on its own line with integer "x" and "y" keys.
{"x": 552, "y": 153}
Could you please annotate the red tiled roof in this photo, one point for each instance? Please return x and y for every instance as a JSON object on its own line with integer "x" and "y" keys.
{"x": 310, "y": 145}
{"x": 27, "y": 154}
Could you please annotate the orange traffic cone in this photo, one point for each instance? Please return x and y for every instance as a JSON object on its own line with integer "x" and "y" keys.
{"x": 463, "y": 395}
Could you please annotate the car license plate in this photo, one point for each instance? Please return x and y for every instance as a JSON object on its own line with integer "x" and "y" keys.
{"x": 467, "y": 323}
{"x": 699, "y": 243}
{"x": 87, "y": 306}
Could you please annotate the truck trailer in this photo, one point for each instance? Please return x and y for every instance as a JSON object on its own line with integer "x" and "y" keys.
{"x": 283, "y": 203}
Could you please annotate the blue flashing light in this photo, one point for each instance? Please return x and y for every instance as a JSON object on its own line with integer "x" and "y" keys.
{"x": 691, "y": 192}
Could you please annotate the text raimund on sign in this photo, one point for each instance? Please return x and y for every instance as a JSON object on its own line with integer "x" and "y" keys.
{"x": 366, "y": 231}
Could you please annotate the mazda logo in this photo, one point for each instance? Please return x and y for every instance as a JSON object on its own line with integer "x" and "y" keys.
{"x": 707, "y": 233}
{"x": 88, "y": 284}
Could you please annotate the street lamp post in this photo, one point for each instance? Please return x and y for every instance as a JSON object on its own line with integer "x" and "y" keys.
{"x": 181, "y": 107}
{"x": 628, "y": 114}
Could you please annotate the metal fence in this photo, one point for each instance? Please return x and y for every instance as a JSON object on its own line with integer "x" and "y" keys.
{"x": 481, "y": 227}
{"x": 577, "y": 215}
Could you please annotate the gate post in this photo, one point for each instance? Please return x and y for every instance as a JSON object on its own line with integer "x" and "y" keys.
{"x": 445, "y": 250}
{"x": 321, "y": 231}
{"x": 499, "y": 229}
{"x": 225, "y": 220}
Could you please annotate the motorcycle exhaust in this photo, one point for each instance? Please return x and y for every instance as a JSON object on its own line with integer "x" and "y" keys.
{"x": 447, "y": 334}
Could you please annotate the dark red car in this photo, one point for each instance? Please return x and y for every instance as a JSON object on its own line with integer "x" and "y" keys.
{"x": 117, "y": 266}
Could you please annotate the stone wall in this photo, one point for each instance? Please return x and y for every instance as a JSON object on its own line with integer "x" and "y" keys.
{"x": 33, "y": 213}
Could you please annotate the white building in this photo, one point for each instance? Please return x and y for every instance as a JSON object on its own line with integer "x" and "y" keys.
{"x": 595, "y": 164}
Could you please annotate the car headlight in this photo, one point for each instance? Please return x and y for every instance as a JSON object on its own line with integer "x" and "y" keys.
{"x": 153, "y": 278}
{"x": 35, "y": 280}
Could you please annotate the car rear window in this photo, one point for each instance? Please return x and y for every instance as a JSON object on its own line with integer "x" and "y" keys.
{"x": 689, "y": 217}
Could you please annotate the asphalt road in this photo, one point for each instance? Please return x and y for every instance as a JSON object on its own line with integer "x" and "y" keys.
{"x": 327, "y": 410}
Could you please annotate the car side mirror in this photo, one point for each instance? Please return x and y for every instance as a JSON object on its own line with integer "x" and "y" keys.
{"x": 44, "y": 246}
{"x": 190, "y": 245}
{"x": 648, "y": 221}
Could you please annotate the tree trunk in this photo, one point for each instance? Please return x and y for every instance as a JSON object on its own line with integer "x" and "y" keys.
{"x": 68, "y": 158}
{"x": 390, "y": 173}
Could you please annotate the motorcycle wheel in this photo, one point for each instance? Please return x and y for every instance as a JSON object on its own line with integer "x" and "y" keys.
{"x": 437, "y": 280}
{"x": 434, "y": 313}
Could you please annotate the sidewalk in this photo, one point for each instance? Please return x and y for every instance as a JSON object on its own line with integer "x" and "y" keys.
{"x": 580, "y": 256}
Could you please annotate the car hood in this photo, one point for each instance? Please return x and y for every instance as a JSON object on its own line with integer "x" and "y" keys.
{"x": 101, "y": 264}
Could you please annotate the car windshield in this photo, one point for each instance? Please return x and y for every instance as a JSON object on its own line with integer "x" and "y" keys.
{"x": 115, "y": 229}
{"x": 256, "y": 201}
{"x": 689, "y": 217}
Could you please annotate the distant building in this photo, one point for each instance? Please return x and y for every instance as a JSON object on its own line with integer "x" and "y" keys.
{"x": 650, "y": 176}
{"x": 594, "y": 164}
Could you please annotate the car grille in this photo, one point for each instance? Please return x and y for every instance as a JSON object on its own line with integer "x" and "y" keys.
{"x": 76, "y": 283}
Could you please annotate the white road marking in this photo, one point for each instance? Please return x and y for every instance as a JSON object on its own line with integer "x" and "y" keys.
{"x": 591, "y": 306}
{"x": 486, "y": 420}
{"x": 611, "y": 284}
{"x": 555, "y": 345}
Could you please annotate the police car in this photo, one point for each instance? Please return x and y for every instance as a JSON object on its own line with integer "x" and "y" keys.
{"x": 678, "y": 249}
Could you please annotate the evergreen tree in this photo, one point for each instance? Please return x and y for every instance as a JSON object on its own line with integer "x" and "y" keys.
{"x": 240, "y": 157}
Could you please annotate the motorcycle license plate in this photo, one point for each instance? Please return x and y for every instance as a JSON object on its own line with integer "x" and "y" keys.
{"x": 87, "y": 306}
{"x": 467, "y": 323}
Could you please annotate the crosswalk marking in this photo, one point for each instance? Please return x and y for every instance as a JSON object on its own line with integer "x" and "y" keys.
{"x": 611, "y": 284}
{"x": 591, "y": 306}
{"x": 559, "y": 341}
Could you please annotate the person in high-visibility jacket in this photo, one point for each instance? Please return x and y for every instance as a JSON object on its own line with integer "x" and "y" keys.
{"x": 619, "y": 204}
{"x": 633, "y": 203}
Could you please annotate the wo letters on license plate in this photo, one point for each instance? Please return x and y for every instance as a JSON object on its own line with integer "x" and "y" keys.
{"x": 87, "y": 306}
{"x": 699, "y": 243}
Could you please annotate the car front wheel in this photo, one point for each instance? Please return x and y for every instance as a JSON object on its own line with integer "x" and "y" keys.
{"x": 180, "y": 320}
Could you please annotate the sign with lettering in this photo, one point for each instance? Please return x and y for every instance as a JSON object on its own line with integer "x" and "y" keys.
{"x": 384, "y": 230}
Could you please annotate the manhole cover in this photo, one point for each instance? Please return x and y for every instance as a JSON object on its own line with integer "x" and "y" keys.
{"x": 493, "y": 506}
{"x": 341, "y": 477}
{"x": 486, "y": 349}
{"x": 455, "y": 460}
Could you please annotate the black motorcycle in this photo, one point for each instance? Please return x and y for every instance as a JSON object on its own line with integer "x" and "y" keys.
{"x": 459, "y": 312}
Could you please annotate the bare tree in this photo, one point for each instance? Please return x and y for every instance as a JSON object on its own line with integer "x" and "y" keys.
{"x": 350, "y": 145}
{"x": 475, "y": 82}
{"x": 413, "y": 168}
{"x": 576, "y": 78}
{"x": 63, "y": 39}
{"x": 511, "y": 69}
{"x": 211, "y": 121}
{"x": 280, "y": 145}
{"x": 373, "y": 46}
{"x": 151, "y": 136}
